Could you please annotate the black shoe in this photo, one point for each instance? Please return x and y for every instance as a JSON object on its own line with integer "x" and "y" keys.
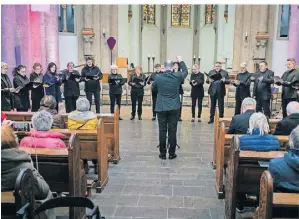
{"x": 180, "y": 119}
{"x": 210, "y": 121}
{"x": 192, "y": 120}
{"x": 120, "y": 118}
{"x": 139, "y": 117}
{"x": 239, "y": 208}
{"x": 132, "y": 118}
{"x": 172, "y": 156}
{"x": 199, "y": 120}
{"x": 162, "y": 156}
{"x": 154, "y": 118}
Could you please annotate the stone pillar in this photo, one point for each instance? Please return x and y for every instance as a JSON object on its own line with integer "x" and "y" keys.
{"x": 294, "y": 33}
{"x": 262, "y": 34}
{"x": 51, "y": 25}
{"x": 87, "y": 31}
{"x": 163, "y": 34}
{"x": 263, "y": 21}
{"x": 238, "y": 38}
{"x": 135, "y": 35}
{"x": 114, "y": 30}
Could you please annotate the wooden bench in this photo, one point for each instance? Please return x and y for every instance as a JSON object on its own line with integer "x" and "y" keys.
{"x": 227, "y": 121}
{"x": 13, "y": 201}
{"x": 271, "y": 201}
{"x": 111, "y": 123}
{"x": 91, "y": 146}
{"x": 224, "y": 147}
{"x": 243, "y": 174}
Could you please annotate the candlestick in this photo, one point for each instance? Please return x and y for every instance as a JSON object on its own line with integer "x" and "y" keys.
{"x": 153, "y": 56}
{"x": 194, "y": 57}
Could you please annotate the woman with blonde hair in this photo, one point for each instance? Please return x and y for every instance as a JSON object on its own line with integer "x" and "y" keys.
{"x": 137, "y": 83}
{"x": 7, "y": 97}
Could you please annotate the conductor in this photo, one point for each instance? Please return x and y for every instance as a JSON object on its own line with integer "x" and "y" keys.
{"x": 168, "y": 105}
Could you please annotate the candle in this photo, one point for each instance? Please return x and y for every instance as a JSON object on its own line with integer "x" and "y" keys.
{"x": 148, "y": 56}
{"x": 153, "y": 56}
{"x": 198, "y": 57}
{"x": 194, "y": 57}
{"x": 103, "y": 30}
{"x": 246, "y": 34}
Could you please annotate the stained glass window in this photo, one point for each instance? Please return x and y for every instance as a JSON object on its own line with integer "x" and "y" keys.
{"x": 210, "y": 14}
{"x": 180, "y": 15}
{"x": 66, "y": 17}
{"x": 284, "y": 20}
{"x": 149, "y": 14}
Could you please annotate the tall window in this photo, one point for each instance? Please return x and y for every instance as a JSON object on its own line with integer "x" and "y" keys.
{"x": 285, "y": 11}
{"x": 149, "y": 14}
{"x": 180, "y": 15}
{"x": 209, "y": 14}
{"x": 66, "y": 17}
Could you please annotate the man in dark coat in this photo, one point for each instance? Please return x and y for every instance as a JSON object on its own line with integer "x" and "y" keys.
{"x": 92, "y": 75}
{"x": 262, "y": 88}
{"x": 289, "y": 78}
{"x": 217, "y": 80}
{"x": 285, "y": 170}
{"x": 197, "y": 80}
{"x": 168, "y": 105}
{"x": 240, "y": 123}
{"x": 287, "y": 124}
{"x": 243, "y": 86}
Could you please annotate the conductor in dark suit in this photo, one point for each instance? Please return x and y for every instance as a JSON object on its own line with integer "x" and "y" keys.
{"x": 240, "y": 123}
{"x": 287, "y": 124}
{"x": 243, "y": 86}
{"x": 168, "y": 105}
{"x": 262, "y": 88}
{"x": 217, "y": 80}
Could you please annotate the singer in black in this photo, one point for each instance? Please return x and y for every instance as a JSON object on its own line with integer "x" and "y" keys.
{"x": 137, "y": 83}
{"x": 116, "y": 82}
{"x": 243, "y": 86}
{"x": 70, "y": 79}
{"x": 262, "y": 88}
{"x": 150, "y": 80}
{"x": 168, "y": 105}
{"x": 176, "y": 68}
{"x": 217, "y": 79}
{"x": 197, "y": 80}
{"x": 21, "y": 82}
{"x": 52, "y": 83}
{"x": 92, "y": 75}
{"x": 37, "y": 91}
{"x": 289, "y": 78}
{"x": 7, "y": 96}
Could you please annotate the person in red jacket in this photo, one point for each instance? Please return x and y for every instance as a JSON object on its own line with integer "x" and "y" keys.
{"x": 41, "y": 137}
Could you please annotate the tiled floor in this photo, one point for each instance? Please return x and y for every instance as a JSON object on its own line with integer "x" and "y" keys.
{"x": 143, "y": 186}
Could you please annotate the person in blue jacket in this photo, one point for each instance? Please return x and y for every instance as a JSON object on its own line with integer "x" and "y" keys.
{"x": 285, "y": 170}
{"x": 52, "y": 83}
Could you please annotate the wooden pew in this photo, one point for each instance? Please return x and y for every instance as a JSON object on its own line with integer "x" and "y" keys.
{"x": 91, "y": 146}
{"x": 62, "y": 169}
{"x": 271, "y": 201}
{"x": 227, "y": 121}
{"x": 12, "y": 201}
{"x": 243, "y": 174}
{"x": 223, "y": 153}
{"x": 111, "y": 123}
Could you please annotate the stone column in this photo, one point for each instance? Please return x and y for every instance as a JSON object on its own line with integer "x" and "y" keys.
{"x": 135, "y": 35}
{"x": 262, "y": 34}
{"x": 294, "y": 33}
{"x": 163, "y": 34}
{"x": 263, "y": 21}
{"x": 51, "y": 25}
{"x": 87, "y": 31}
{"x": 238, "y": 38}
{"x": 114, "y": 30}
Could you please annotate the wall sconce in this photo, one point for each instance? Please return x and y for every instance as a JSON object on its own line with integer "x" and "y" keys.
{"x": 246, "y": 36}
{"x": 104, "y": 33}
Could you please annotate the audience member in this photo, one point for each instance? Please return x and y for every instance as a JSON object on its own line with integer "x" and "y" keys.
{"x": 287, "y": 124}
{"x": 240, "y": 123}
{"x": 41, "y": 137}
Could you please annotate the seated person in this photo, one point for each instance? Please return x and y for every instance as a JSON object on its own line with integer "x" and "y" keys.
{"x": 285, "y": 170}
{"x": 258, "y": 138}
{"x": 240, "y": 123}
{"x": 49, "y": 104}
{"x": 12, "y": 160}
{"x": 41, "y": 137}
{"x": 83, "y": 119}
{"x": 287, "y": 124}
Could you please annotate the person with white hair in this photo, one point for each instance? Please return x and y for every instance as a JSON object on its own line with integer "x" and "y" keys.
{"x": 243, "y": 86}
{"x": 240, "y": 123}
{"x": 257, "y": 139}
{"x": 116, "y": 82}
{"x": 40, "y": 136}
{"x": 285, "y": 170}
{"x": 287, "y": 124}
{"x": 83, "y": 119}
{"x": 71, "y": 90}
{"x": 7, "y": 97}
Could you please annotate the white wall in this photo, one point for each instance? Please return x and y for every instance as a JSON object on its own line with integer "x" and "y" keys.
{"x": 280, "y": 50}
{"x": 68, "y": 50}
{"x": 151, "y": 41}
{"x": 123, "y": 32}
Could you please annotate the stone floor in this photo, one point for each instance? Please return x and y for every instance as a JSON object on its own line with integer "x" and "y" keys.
{"x": 145, "y": 187}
